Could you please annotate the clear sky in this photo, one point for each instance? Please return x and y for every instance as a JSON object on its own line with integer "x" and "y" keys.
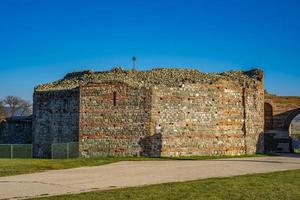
{"x": 40, "y": 41}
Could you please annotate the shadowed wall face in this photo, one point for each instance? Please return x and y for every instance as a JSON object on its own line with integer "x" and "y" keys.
{"x": 16, "y": 130}
{"x": 114, "y": 120}
{"x": 56, "y": 115}
{"x": 268, "y": 117}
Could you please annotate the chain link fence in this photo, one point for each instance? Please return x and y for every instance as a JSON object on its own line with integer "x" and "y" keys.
{"x": 58, "y": 150}
{"x": 16, "y": 151}
{"x": 65, "y": 150}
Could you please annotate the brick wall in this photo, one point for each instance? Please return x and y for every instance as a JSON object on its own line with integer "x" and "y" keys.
{"x": 195, "y": 119}
{"x": 113, "y": 127}
{"x": 208, "y": 119}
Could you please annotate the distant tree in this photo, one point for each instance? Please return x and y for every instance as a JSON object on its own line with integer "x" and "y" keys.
{"x": 2, "y": 111}
{"x": 16, "y": 106}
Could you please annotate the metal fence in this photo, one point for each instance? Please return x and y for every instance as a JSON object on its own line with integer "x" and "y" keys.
{"x": 58, "y": 150}
{"x": 65, "y": 150}
{"x": 15, "y": 151}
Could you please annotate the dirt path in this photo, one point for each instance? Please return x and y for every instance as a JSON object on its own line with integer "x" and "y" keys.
{"x": 135, "y": 173}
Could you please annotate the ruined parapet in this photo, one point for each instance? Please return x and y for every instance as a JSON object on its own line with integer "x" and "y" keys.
{"x": 158, "y": 76}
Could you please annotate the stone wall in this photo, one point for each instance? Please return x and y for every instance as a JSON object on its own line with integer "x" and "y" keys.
{"x": 194, "y": 119}
{"x": 160, "y": 112}
{"x": 114, "y": 119}
{"x": 16, "y": 130}
{"x": 56, "y": 116}
{"x": 208, "y": 119}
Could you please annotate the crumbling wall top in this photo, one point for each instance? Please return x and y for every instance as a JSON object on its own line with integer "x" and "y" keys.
{"x": 157, "y": 76}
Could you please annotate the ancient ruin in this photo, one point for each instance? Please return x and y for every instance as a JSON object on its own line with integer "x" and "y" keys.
{"x": 161, "y": 112}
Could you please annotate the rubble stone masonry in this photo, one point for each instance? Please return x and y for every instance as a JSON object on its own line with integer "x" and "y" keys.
{"x": 55, "y": 119}
{"x": 160, "y": 112}
{"x": 16, "y": 130}
{"x": 114, "y": 118}
{"x": 208, "y": 119}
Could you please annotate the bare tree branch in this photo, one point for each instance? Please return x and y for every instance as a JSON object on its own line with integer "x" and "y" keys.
{"x": 16, "y": 106}
{"x": 26, "y": 107}
{"x": 2, "y": 111}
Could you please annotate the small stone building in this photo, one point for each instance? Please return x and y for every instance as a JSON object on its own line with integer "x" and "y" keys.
{"x": 160, "y": 112}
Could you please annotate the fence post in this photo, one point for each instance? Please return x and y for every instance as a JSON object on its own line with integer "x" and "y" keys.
{"x": 68, "y": 150}
{"x": 52, "y": 151}
{"x": 11, "y": 151}
{"x": 31, "y": 151}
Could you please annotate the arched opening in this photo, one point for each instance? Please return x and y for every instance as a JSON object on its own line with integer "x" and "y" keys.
{"x": 290, "y": 118}
{"x": 294, "y": 128}
{"x": 292, "y": 125}
{"x": 268, "y": 125}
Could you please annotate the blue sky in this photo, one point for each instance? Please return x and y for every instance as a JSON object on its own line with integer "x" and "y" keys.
{"x": 40, "y": 41}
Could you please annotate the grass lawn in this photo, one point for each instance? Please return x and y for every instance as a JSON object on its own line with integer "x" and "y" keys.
{"x": 277, "y": 185}
{"x": 10, "y": 167}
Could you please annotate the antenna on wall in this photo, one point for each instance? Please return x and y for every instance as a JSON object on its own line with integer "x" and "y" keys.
{"x": 133, "y": 62}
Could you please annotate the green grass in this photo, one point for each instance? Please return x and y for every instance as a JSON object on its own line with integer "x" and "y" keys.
{"x": 277, "y": 186}
{"x": 10, "y": 167}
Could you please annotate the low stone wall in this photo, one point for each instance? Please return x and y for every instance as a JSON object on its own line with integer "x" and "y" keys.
{"x": 16, "y": 130}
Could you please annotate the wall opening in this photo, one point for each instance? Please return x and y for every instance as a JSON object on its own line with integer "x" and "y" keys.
{"x": 115, "y": 98}
{"x": 292, "y": 115}
{"x": 294, "y": 128}
{"x": 294, "y": 132}
{"x": 268, "y": 116}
